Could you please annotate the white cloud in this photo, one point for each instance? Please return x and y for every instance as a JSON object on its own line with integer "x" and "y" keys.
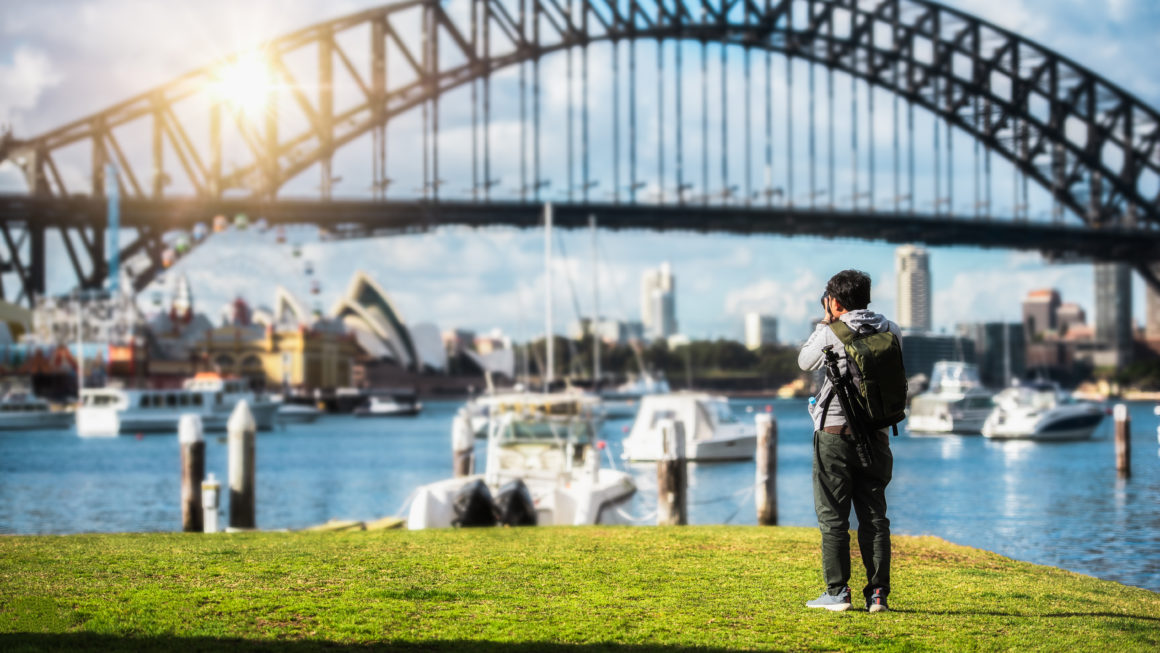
{"x": 23, "y": 81}
{"x": 1118, "y": 10}
{"x": 793, "y": 303}
{"x": 994, "y": 294}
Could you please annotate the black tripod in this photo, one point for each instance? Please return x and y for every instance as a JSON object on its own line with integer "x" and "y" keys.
{"x": 850, "y": 407}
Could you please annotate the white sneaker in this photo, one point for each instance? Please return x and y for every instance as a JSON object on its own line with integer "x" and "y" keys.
{"x": 838, "y": 603}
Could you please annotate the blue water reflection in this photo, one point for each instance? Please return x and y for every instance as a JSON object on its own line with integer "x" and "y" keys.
{"x": 1058, "y": 504}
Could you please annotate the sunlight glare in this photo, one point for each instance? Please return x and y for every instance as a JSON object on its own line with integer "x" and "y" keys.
{"x": 245, "y": 83}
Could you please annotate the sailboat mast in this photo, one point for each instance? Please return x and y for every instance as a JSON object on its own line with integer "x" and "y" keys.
{"x": 548, "y": 339}
{"x": 595, "y": 308}
{"x": 80, "y": 347}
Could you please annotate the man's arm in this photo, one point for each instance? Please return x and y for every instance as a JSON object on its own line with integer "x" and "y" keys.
{"x": 810, "y": 357}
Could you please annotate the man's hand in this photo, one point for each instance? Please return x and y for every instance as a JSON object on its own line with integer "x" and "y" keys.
{"x": 829, "y": 316}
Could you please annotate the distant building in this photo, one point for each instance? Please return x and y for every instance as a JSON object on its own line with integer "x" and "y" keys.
{"x": 912, "y": 270}
{"x": 1069, "y": 316}
{"x": 1000, "y": 351}
{"x": 313, "y": 359}
{"x": 1040, "y": 313}
{"x": 611, "y": 332}
{"x": 760, "y": 330}
{"x": 658, "y": 303}
{"x": 1113, "y": 289}
{"x": 1152, "y": 307}
{"x": 492, "y": 341}
{"x": 920, "y": 351}
{"x": 104, "y": 318}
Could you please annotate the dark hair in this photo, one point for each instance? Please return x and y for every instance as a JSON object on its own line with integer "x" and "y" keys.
{"x": 851, "y": 288}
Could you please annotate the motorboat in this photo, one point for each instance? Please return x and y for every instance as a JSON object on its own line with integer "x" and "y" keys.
{"x": 107, "y": 412}
{"x": 623, "y": 401}
{"x": 389, "y": 406}
{"x": 550, "y": 460}
{"x": 956, "y": 402}
{"x": 292, "y": 413}
{"x": 24, "y": 411}
{"x": 712, "y": 431}
{"x": 1041, "y": 411}
{"x": 483, "y": 409}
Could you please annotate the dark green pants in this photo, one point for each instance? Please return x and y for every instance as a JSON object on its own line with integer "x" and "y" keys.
{"x": 840, "y": 479}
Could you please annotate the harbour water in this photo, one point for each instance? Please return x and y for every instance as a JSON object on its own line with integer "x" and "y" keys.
{"x": 1058, "y": 504}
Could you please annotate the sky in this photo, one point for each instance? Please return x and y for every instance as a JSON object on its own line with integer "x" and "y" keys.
{"x": 63, "y": 59}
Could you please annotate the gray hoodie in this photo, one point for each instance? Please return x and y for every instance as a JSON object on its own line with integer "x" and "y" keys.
{"x": 810, "y": 357}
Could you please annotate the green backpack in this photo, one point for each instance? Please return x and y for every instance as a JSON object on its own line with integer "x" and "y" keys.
{"x": 877, "y": 373}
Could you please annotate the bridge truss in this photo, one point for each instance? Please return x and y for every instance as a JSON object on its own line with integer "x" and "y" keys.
{"x": 1091, "y": 145}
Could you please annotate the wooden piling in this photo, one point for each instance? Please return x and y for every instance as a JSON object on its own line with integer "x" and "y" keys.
{"x": 192, "y": 441}
{"x": 211, "y": 491}
{"x": 462, "y": 446}
{"x": 765, "y": 494}
{"x": 242, "y": 431}
{"x": 672, "y": 477}
{"x": 1123, "y": 440}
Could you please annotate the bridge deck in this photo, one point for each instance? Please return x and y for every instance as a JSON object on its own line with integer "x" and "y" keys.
{"x": 368, "y": 218}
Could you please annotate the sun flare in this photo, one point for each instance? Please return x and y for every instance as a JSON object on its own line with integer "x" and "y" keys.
{"x": 246, "y": 83}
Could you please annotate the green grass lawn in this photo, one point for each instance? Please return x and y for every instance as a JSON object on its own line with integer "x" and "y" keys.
{"x": 538, "y": 589}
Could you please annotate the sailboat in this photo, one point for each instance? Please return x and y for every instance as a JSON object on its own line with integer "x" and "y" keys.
{"x": 480, "y": 411}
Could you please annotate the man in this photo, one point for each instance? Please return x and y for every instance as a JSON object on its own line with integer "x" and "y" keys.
{"x": 838, "y": 477}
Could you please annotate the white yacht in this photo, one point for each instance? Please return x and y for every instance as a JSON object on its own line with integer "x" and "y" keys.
{"x": 1041, "y": 411}
{"x": 389, "y": 406}
{"x": 21, "y": 411}
{"x": 107, "y": 412}
{"x": 624, "y": 400}
{"x": 552, "y": 460}
{"x": 956, "y": 402}
{"x": 297, "y": 413}
{"x": 712, "y": 431}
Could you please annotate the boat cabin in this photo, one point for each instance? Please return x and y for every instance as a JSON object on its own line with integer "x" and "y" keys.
{"x": 702, "y": 414}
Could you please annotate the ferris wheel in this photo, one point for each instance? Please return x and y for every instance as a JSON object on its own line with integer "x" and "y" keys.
{"x": 289, "y": 267}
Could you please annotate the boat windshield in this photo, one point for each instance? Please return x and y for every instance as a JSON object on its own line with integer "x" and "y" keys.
{"x": 524, "y": 431}
{"x": 1037, "y": 398}
{"x": 954, "y": 375}
{"x": 722, "y": 412}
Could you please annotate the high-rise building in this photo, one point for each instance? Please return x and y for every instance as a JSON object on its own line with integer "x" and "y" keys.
{"x": 658, "y": 303}
{"x": 920, "y": 351}
{"x": 1040, "y": 313}
{"x": 1070, "y": 315}
{"x": 1114, "y": 309}
{"x": 912, "y": 269}
{"x": 760, "y": 330}
{"x": 1152, "y": 320}
{"x": 1000, "y": 351}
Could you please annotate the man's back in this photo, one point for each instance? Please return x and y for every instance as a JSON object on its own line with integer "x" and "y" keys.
{"x": 811, "y": 358}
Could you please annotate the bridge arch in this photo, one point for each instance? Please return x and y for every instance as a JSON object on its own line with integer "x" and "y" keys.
{"x": 1093, "y": 146}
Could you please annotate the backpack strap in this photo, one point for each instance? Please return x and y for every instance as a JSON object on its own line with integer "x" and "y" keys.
{"x": 843, "y": 332}
{"x": 826, "y": 409}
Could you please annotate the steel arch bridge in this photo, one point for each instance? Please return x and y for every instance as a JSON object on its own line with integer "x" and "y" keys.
{"x": 1089, "y": 144}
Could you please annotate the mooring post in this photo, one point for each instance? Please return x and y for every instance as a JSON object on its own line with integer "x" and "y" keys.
{"x": 1123, "y": 440}
{"x": 672, "y": 507}
{"x": 211, "y": 491}
{"x": 242, "y": 432}
{"x": 462, "y": 446}
{"x": 765, "y": 493}
{"x": 189, "y": 435}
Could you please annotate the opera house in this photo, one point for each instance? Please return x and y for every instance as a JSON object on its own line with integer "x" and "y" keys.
{"x": 362, "y": 341}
